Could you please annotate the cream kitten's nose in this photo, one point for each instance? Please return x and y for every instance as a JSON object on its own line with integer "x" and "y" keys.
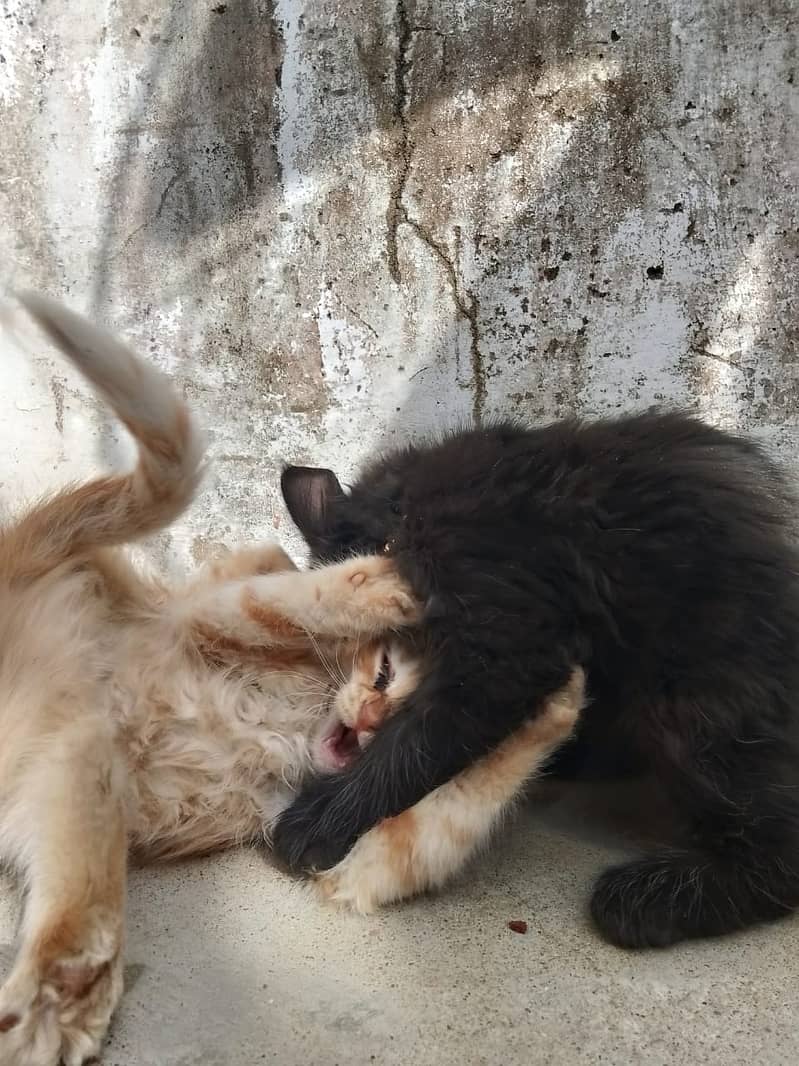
{"x": 371, "y": 713}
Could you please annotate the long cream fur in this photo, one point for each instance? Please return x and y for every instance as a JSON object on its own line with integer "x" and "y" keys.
{"x": 169, "y": 721}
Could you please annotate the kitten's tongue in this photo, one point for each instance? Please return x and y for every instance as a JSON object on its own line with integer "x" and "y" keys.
{"x": 341, "y": 745}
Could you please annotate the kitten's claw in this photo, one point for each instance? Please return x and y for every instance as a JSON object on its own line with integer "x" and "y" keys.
{"x": 361, "y": 882}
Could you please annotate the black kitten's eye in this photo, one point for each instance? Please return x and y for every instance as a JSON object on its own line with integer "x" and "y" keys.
{"x": 385, "y": 675}
{"x": 396, "y": 509}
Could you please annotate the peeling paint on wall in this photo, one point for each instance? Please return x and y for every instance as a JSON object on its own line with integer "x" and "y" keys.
{"x": 339, "y": 225}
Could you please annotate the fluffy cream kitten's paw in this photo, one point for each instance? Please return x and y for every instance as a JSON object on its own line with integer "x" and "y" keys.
{"x": 378, "y": 870}
{"x": 59, "y": 1018}
{"x": 29, "y": 1034}
{"x": 381, "y": 592}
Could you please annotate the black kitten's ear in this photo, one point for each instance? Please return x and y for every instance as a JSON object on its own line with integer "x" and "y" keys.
{"x": 309, "y": 493}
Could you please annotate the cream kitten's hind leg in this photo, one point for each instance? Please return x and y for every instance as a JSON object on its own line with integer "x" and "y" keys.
{"x": 66, "y": 828}
{"x": 423, "y": 847}
{"x": 249, "y": 561}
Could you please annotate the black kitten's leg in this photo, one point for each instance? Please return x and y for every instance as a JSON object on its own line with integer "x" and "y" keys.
{"x": 434, "y": 736}
{"x": 581, "y": 760}
{"x": 742, "y": 865}
{"x": 601, "y": 749}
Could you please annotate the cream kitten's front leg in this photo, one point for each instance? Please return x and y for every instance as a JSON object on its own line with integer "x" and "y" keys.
{"x": 361, "y": 597}
{"x": 65, "y": 827}
{"x": 423, "y": 847}
{"x": 364, "y": 596}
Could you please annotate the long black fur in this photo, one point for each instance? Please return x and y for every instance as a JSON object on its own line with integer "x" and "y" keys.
{"x": 653, "y": 550}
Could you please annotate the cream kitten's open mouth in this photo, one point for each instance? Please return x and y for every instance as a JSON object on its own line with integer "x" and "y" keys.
{"x": 339, "y": 744}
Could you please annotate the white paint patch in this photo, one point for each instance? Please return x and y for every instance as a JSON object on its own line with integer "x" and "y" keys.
{"x": 295, "y": 134}
{"x": 551, "y": 148}
{"x": 15, "y": 16}
{"x": 107, "y": 78}
{"x": 732, "y": 336}
{"x": 735, "y": 330}
{"x": 638, "y": 367}
{"x": 545, "y": 146}
{"x": 581, "y": 74}
{"x": 344, "y": 348}
{"x": 168, "y": 325}
{"x": 467, "y": 102}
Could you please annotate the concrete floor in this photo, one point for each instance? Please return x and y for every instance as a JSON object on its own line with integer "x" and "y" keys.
{"x": 232, "y": 964}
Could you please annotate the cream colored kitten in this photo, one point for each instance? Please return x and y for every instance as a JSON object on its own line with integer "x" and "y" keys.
{"x": 174, "y": 721}
{"x": 134, "y": 715}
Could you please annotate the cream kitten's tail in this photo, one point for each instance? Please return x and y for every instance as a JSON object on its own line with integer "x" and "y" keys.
{"x": 109, "y": 510}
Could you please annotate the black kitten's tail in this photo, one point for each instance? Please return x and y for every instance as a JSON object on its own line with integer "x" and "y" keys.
{"x": 729, "y": 883}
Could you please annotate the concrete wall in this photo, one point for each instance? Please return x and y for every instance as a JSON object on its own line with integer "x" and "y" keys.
{"x": 338, "y": 223}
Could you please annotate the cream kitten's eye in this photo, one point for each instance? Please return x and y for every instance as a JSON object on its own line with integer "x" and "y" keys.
{"x": 385, "y": 675}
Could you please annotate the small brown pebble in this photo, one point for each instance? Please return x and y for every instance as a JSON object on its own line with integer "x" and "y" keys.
{"x": 518, "y": 926}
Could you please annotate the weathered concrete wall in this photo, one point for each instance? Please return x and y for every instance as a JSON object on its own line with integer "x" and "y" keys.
{"x": 341, "y": 223}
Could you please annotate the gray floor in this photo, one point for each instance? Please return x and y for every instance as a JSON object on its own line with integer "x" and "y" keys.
{"x": 231, "y": 964}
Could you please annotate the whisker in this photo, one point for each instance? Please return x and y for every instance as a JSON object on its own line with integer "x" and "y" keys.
{"x": 323, "y": 659}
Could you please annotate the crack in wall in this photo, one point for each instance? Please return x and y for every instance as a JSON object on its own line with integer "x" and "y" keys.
{"x": 404, "y": 150}
{"x": 466, "y": 303}
{"x": 153, "y": 218}
{"x": 467, "y": 306}
{"x": 724, "y": 360}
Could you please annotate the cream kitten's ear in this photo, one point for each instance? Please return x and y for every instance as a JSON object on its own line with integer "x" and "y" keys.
{"x": 309, "y": 493}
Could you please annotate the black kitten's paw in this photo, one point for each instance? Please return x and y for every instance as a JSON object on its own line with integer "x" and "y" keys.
{"x": 304, "y": 837}
{"x": 645, "y": 904}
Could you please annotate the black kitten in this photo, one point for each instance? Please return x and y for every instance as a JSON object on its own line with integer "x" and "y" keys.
{"x": 654, "y": 551}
